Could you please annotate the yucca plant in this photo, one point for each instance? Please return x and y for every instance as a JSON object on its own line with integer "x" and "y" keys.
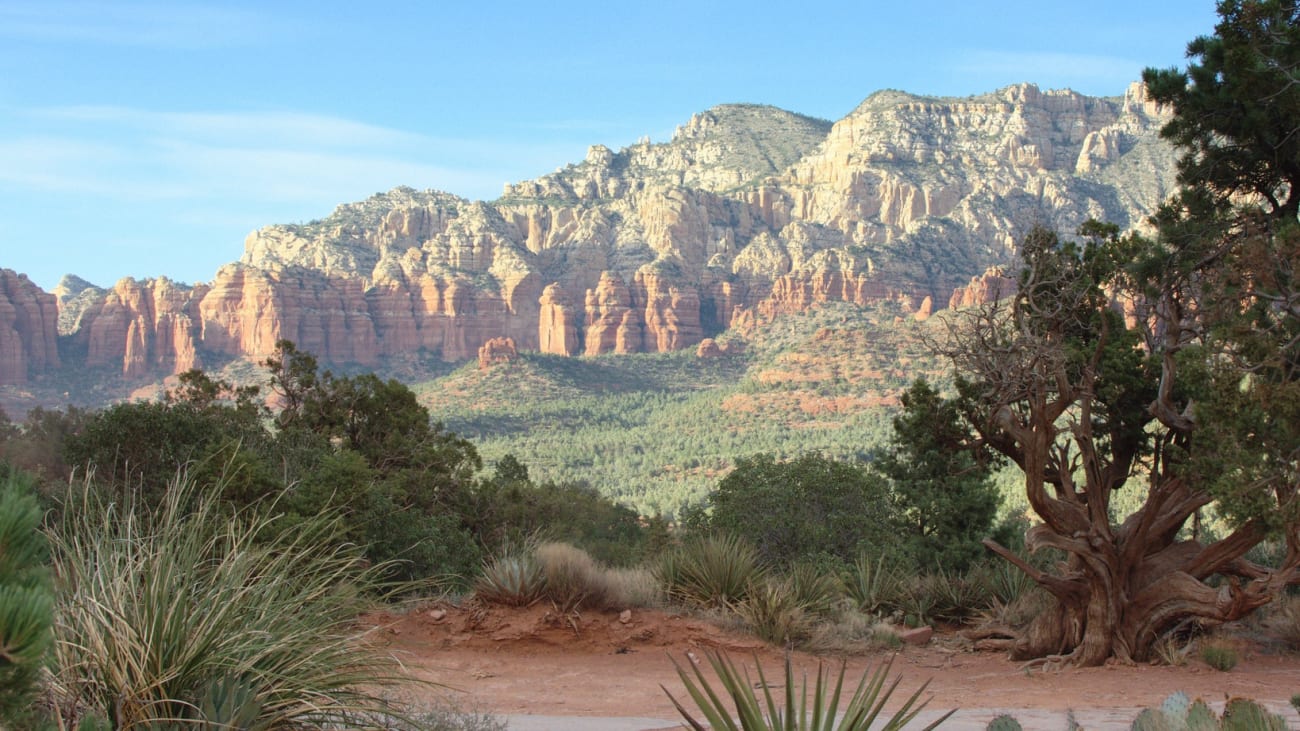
{"x": 874, "y": 584}
{"x": 819, "y": 711}
{"x": 714, "y": 571}
{"x": 773, "y": 611}
{"x": 514, "y": 578}
{"x": 815, "y": 589}
{"x": 190, "y": 614}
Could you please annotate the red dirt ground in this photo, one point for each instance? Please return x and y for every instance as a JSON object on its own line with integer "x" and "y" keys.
{"x": 536, "y": 661}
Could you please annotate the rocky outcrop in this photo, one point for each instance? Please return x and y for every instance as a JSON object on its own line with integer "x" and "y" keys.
{"x": 28, "y": 329}
{"x": 612, "y": 326}
{"x": 497, "y": 351}
{"x": 984, "y": 289}
{"x": 557, "y": 329}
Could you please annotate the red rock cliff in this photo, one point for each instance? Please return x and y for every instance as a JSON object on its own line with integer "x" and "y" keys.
{"x": 28, "y": 329}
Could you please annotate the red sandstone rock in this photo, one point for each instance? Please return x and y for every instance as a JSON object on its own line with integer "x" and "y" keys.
{"x": 496, "y": 350}
{"x": 28, "y": 329}
{"x": 557, "y": 332}
{"x": 708, "y": 349}
{"x": 609, "y": 329}
{"x": 990, "y": 286}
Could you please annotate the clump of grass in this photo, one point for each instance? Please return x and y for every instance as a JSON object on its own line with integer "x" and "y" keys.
{"x": 1219, "y": 655}
{"x": 188, "y": 612}
{"x": 851, "y": 632}
{"x": 1170, "y": 650}
{"x": 633, "y": 587}
{"x": 573, "y": 578}
{"x": 711, "y": 572}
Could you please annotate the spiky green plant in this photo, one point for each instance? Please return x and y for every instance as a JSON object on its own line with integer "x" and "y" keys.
{"x": 186, "y": 611}
{"x": 714, "y": 571}
{"x": 818, "y": 711}
{"x": 514, "y": 578}
{"x": 875, "y": 584}
{"x": 774, "y": 612}
{"x": 815, "y": 589}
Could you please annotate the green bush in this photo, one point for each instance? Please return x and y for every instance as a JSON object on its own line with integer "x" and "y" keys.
{"x": 801, "y": 509}
{"x": 187, "y": 611}
{"x": 1219, "y": 655}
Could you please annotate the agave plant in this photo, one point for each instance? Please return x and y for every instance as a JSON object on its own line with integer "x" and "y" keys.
{"x": 818, "y": 712}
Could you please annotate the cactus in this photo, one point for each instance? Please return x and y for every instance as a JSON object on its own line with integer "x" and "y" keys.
{"x": 1005, "y": 722}
{"x": 1177, "y": 713}
{"x": 1201, "y": 718}
{"x": 1242, "y": 714}
{"x": 1176, "y": 706}
{"x": 1153, "y": 719}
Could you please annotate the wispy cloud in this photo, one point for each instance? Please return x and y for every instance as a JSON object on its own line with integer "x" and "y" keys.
{"x": 152, "y": 24}
{"x": 133, "y": 154}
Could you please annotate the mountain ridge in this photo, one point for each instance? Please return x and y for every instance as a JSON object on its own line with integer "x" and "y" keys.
{"x": 654, "y": 247}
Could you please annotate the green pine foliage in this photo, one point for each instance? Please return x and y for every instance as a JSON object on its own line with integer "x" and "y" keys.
{"x": 941, "y": 484}
{"x": 26, "y": 599}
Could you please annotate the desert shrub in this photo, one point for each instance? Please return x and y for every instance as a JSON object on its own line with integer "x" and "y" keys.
{"x": 772, "y": 610}
{"x": 711, "y": 571}
{"x": 1005, "y": 581}
{"x": 850, "y": 632}
{"x": 634, "y": 587}
{"x": 26, "y": 599}
{"x": 875, "y": 584}
{"x": 511, "y": 507}
{"x": 573, "y": 578}
{"x": 1219, "y": 655}
{"x": 1171, "y": 650}
{"x": 187, "y": 611}
{"x": 513, "y": 577}
{"x": 1285, "y": 620}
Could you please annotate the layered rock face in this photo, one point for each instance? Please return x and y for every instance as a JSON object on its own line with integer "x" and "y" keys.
{"x": 747, "y": 212}
{"x": 28, "y": 329}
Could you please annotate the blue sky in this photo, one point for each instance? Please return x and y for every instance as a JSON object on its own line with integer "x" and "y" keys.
{"x": 148, "y": 138}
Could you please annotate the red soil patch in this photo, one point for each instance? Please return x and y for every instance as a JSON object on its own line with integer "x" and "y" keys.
{"x": 538, "y": 661}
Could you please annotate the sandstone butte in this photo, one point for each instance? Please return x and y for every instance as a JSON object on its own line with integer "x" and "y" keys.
{"x": 748, "y": 212}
